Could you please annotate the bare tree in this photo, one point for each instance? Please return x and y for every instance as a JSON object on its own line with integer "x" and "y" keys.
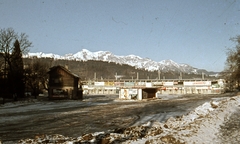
{"x": 232, "y": 70}
{"x": 37, "y": 76}
{"x": 7, "y": 38}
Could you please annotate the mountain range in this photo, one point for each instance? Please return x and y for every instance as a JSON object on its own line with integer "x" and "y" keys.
{"x": 132, "y": 60}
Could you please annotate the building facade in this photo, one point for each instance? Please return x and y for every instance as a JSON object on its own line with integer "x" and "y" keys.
{"x": 63, "y": 84}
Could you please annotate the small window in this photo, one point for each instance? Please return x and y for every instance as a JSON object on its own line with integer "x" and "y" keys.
{"x": 57, "y": 80}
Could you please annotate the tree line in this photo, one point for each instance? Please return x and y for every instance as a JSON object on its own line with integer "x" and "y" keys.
{"x": 14, "y": 75}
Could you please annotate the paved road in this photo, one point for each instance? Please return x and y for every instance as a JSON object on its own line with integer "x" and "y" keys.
{"x": 95, "y": 113}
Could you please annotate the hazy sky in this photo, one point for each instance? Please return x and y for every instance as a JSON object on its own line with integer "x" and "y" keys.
{"x": 195, "y": 32}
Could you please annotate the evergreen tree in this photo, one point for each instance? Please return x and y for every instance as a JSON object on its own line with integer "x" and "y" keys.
{"x": 16, "y": 71}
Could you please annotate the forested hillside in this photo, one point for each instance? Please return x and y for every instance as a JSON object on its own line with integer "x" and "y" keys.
{"x": 87, "y": 70}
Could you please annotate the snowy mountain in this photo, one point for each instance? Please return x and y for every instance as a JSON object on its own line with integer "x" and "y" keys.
{"x": 132, "y": 60}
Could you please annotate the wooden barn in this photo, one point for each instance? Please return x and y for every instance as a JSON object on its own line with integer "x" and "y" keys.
{"x": 63, "y": 84}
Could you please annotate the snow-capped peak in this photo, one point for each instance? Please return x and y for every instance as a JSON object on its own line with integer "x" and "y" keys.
{"x": 132, "y": 60}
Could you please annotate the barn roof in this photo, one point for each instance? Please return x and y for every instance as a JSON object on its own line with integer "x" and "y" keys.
{"x": 65, "y": 69}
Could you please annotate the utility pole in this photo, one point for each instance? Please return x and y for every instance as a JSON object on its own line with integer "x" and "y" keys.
{"x": 116, "y": 76}
{"x": 159, "y": 74}
{"x": 95, "y": 76}
{"x": 180, "y": 77}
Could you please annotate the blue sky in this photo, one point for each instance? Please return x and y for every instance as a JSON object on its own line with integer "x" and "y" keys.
{"x": 195, "y": 32}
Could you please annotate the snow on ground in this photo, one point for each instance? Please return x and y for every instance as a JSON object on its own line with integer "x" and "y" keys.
{"x": 201, "y": 125}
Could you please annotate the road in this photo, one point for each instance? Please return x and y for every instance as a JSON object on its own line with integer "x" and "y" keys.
{"x": 93, "y": 114}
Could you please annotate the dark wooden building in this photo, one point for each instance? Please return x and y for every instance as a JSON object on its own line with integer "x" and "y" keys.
{"x": 63, "y": 84}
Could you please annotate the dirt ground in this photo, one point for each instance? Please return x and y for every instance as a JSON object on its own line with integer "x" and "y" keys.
{"x": 94, "y": 114}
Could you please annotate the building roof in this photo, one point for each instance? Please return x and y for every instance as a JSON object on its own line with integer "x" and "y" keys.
{"x": 65, "y": 69}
